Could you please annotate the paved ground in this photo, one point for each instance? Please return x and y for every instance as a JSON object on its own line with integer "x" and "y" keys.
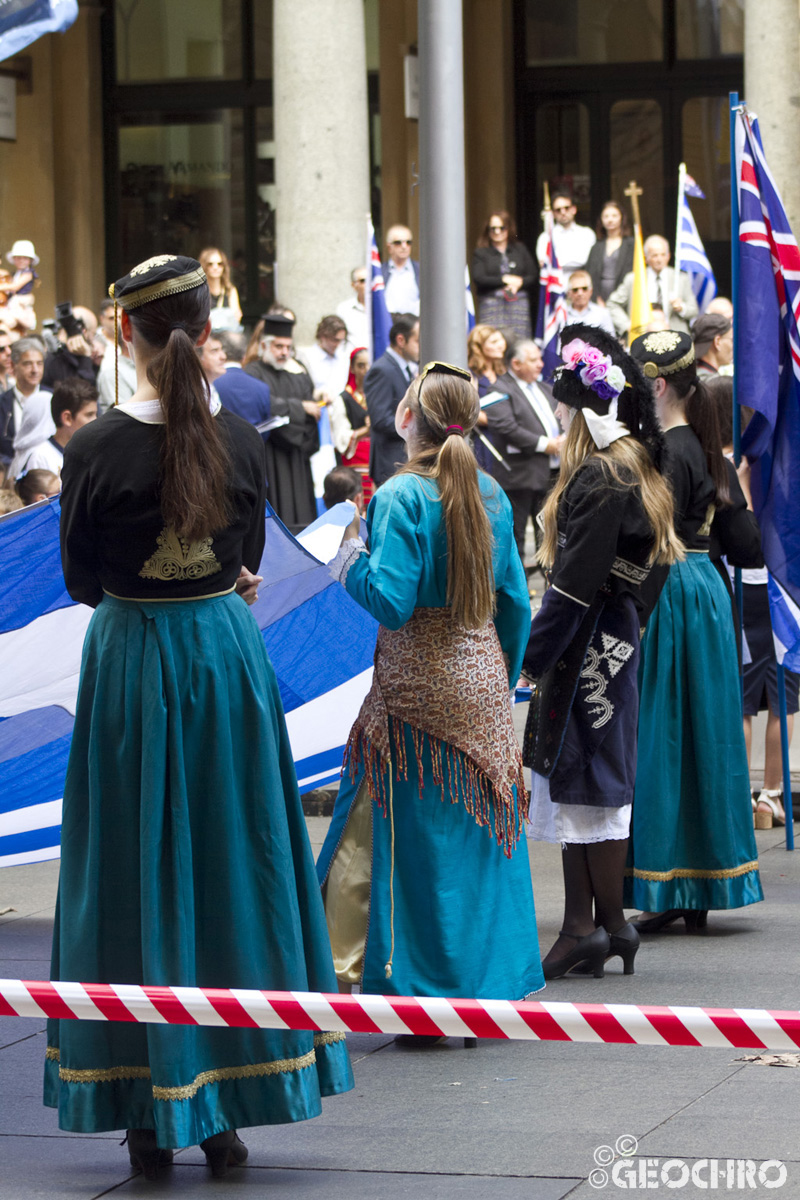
{"x": 508, "y": 1121}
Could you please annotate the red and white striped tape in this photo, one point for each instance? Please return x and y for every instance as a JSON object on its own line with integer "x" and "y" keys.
{"x": 547, "y": 1021}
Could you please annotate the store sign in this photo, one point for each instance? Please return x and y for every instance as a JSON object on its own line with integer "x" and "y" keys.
{"x": 8, "y": 108}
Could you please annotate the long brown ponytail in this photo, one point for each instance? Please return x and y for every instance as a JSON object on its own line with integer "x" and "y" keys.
{"x": 447, "y": 458}
{"x": 195, "y": 462}
{"x": 701, "y": 413}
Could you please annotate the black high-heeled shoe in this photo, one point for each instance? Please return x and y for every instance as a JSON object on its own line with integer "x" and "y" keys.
{"x": 592, "y": 949}
{"x": 145, "y": 1154}
{"x": 223, "y": 1150}
{"x": 694, "y": 919}
{"x": 624, "y": 944}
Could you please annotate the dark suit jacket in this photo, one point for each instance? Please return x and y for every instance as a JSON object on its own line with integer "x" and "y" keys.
{"x": 244, "y": 395}
{"x": 514, "y": 423}
{"x": 384, "y": 387}
{"x": 594, "y": 264}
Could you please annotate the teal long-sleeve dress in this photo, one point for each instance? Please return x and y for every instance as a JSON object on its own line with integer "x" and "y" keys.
{"x": 422, "y": 882}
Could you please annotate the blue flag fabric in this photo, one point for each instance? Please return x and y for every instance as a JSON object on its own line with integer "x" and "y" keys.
{"x": 768, "y": 365}
{"x": 381, "y": 321}
{"x": 552, "y": 314}
{"x": 320, "y": 642}
{"x": 24, "y": 21}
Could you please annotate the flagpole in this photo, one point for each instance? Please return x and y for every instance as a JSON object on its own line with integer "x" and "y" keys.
{"x": 368, "y": 288}
{"x": 679, "y": 229}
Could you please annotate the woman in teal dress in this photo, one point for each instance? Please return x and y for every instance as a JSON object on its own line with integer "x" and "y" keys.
{"x": 692, "y": 845}
{"x": 426, "y": 889}
{"x": 185, "y": 858}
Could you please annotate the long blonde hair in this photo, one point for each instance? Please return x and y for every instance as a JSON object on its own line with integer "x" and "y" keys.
{"x": 446, "y": 457}
{"x": 626, "y": 462}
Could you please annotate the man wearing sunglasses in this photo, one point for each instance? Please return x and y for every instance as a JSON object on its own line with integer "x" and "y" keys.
{"x": 581, "y": 307}
{"x": 572, "y": 242}
{"x": 401, "y": 273}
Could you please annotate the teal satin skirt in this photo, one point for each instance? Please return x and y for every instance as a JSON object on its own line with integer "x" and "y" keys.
{"x": 692, "y": 843}
{"x": 185, "y": 861}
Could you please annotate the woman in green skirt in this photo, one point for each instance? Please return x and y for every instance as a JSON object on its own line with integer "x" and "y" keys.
{"x": 692, "y": 845}
{"x": 185, "y": 857}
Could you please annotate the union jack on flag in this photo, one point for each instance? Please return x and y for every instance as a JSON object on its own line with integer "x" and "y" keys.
{"x": 767, "y": 308}
{"x": 552, "y": 315}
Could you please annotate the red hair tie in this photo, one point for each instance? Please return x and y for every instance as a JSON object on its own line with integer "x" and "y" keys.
{"x": 452, "y": 428}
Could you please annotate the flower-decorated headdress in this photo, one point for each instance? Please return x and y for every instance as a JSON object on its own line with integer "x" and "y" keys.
{"x": 608, "y": 387}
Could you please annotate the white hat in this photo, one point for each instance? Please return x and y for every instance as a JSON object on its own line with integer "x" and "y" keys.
{"x": 23, "y": 249}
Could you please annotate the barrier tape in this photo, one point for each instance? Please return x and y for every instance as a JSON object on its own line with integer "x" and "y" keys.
{"x": 528, "y": 1020}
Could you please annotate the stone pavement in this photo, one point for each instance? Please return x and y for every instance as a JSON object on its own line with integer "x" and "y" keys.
{"x": 507, "y": 1121}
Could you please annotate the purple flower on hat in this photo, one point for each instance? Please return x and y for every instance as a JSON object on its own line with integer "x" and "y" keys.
{"x": 595, "y": 370}
{"x": 604, "y": 390}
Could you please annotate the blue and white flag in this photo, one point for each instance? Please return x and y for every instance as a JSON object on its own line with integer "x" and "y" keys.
{"x": 767, "y": 314}
{"x": 470, "y": 303}
{"x": 691, "y": 256}
{"x": 379, "y": 320}
{"x": 320, "y": 642}
{"x": 24, "y": 21}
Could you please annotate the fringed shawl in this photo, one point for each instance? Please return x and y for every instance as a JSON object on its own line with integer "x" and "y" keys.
{"x": 450, "y": 686}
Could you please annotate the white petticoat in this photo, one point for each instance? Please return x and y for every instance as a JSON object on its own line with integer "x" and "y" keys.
{"x": 572, "y": 823}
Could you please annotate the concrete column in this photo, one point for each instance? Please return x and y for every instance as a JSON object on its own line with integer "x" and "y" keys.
{"x": 442, "y": 213}
{"x": 321, "y": 154}
{"x": 772, "y": 90}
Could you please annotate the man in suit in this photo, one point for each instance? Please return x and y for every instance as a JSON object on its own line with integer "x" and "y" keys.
{"x": 238, "y": 391}
{"x": 670, "y": 292}
{"x": 385, "y": 384}
{"x": 401, "y": 273}
{"x": 524, "y": 429}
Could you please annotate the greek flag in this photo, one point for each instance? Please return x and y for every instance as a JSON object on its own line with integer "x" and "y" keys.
{"x": 320, "y": 642}
{"x": 693, "y": 259}
{"x": 470, "y": 303}
{"x": 24, "y": 21}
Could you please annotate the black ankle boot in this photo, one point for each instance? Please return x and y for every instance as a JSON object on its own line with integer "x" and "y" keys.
{"x": 145, "y": 1154}
{"x": 223, "y": 1150}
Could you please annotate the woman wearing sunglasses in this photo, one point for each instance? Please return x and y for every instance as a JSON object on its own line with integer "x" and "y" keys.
{"x": 432, "y": 802}
{"x": 503, "y": 272}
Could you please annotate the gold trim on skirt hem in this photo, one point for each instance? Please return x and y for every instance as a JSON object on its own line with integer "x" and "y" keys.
{"x": 278, "y": 1066}
{"x": 690, "y": 873}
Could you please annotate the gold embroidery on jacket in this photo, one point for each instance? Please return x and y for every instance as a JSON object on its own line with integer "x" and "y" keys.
{"x": 176, "y": 558}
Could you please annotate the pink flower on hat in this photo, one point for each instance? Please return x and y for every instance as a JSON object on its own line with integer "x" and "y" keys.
{"x": 593, "y": 357}
{"x": 574, "y": 352}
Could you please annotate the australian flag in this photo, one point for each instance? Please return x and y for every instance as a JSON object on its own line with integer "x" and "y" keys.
{"x": 380, "y": 321}
{"x": 694, "y": 260}
{"x": 552, "y": 315}
{"x": 767, "y": 308}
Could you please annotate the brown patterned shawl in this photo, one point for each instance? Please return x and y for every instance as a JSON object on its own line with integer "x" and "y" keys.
{"x": 450, "y": 686}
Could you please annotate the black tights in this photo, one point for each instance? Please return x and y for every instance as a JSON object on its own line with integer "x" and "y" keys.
{"x": 593, "y": 876}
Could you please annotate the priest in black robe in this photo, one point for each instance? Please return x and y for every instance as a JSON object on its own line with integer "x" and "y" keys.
{"x": 290, "y": 486}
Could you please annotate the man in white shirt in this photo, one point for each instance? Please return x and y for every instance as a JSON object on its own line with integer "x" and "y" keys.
{"x": 27, "y": 361}
{"x": 669, "y": 291}
{"x": 73, "y": 405}
{"x": 328, "y": 360}
{"x": 525, "y": 431}
{"x": 581, "y": 307}
{"x": 354, "y": 311}
{"x": 401, "y": 273}
{"x": 571, "y": 242}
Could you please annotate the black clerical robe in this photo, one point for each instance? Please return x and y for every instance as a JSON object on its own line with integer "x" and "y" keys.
{"x": 290, "y": 486}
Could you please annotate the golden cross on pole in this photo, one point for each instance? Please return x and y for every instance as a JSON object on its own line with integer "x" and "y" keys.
{"x": 635, "y": 192}
{"x": 546, "y": 208}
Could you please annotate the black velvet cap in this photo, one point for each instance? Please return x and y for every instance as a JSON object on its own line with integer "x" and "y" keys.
{"x": 635, "y": 406}
{"x": 162, "y": 275}
{"x": 663, "y": 352}
{"x": 276, "y": 325}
